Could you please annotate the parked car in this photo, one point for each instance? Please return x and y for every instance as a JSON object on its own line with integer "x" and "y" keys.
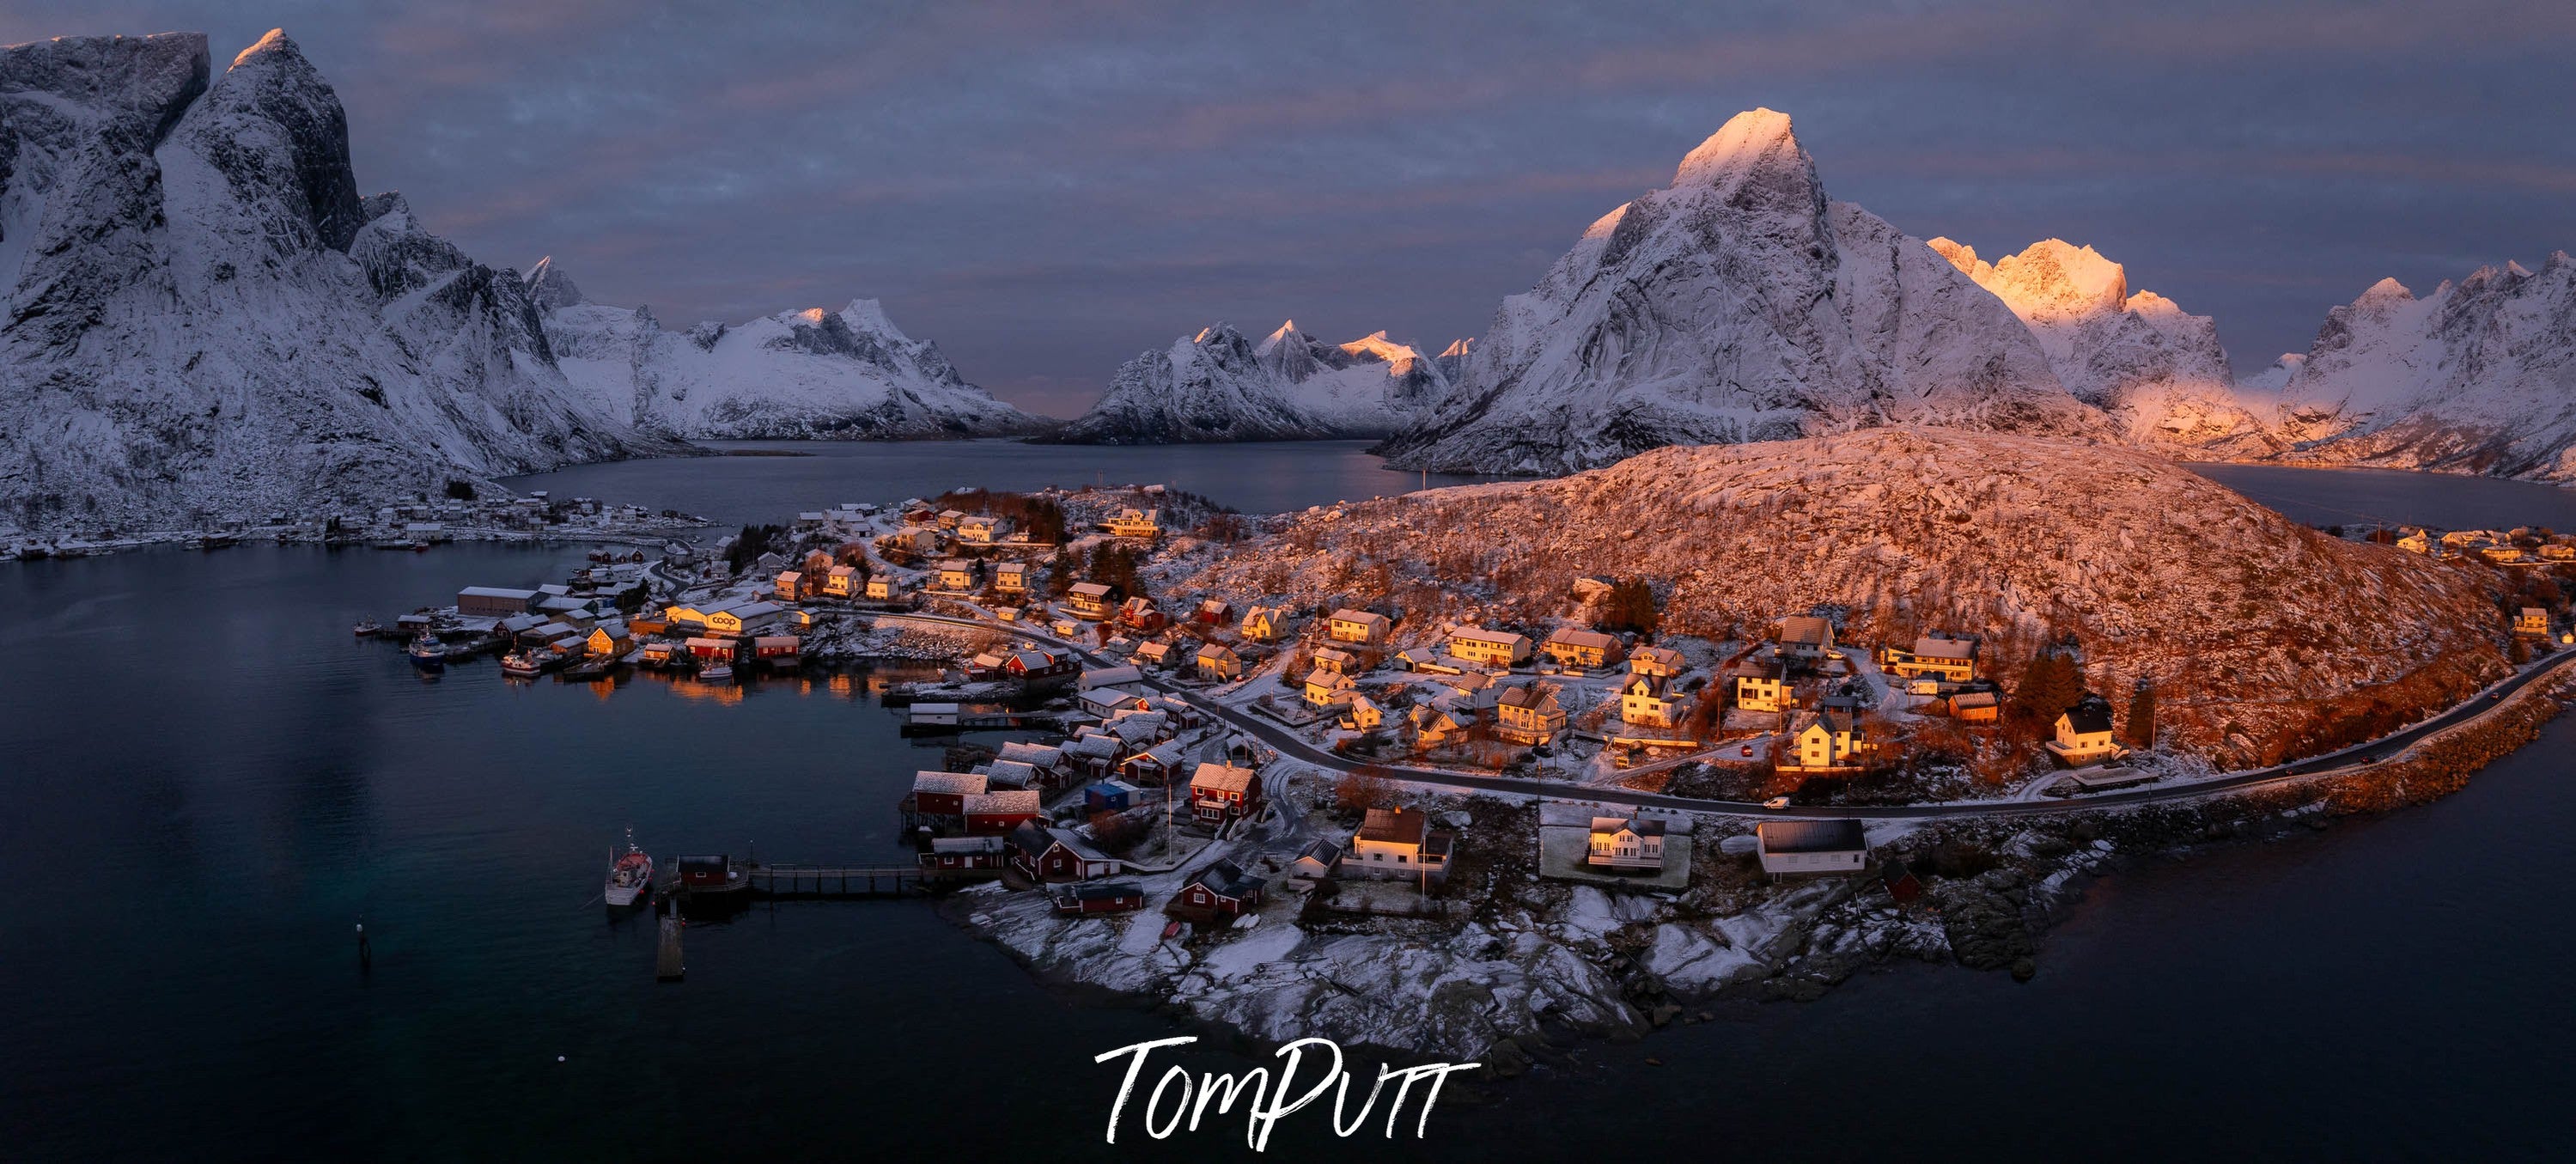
{"x": 1776, "y": 802}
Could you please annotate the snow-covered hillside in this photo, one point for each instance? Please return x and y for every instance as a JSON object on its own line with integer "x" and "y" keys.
{"x": 2477, "y": 377}
{"x": 1217, "y": 386}
{"x": 810, "y": 373}
{"x": 2251, "y": 625}
{"x": 201, "y": 317}
{"x": 2160, "y": 372}
{"x": 1738, "y": 304}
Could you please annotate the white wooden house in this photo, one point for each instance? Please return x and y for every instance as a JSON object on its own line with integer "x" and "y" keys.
{"x": 1529, "y": 714}
{"x": 1647, "y": 702}
{"x": 2084, "y": 732}
{"x": 1626, "y": 842}
{"x": 1805, "y": 638}
{"x": 1796, "y": 847}
{"x": 1398, "y": 844}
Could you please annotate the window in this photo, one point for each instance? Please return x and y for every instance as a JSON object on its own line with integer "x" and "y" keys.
{"x": 1399, "y": 858}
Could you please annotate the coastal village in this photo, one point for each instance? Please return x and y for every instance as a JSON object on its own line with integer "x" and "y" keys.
{"x": 1217, "y": 783}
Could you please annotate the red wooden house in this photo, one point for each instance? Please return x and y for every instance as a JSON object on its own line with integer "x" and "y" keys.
{"x": 1100, "y": 897}
{"x": 1218, "y": 791}
{"x": 1140, "y": 613}
{"x": 1045, "y": 854}
{"x": 1222, "y": 890}
{"x": 951, "y": 858}
{"x": 1000, "y": 812}
{"x": 944, "y": 793}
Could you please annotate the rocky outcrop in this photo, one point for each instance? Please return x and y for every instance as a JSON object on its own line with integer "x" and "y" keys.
{"x": 1738, "y": 304}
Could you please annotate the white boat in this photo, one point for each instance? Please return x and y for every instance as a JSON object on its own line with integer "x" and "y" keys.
{"x": 630, "y": 874}
{"x": 716, "y": 673}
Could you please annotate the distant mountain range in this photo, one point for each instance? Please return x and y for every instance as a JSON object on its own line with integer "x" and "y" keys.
{"x": 201, "y": 317}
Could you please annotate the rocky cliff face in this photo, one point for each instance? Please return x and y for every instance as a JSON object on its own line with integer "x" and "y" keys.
{"x": 200, "y": 316}
{"x": 1738, "y": 304}
{"x": 2159, "y": 372}
{"x": 2476, "y": 377}
{"x": 1217, "y": 386}
{"x": 848, "y": 374}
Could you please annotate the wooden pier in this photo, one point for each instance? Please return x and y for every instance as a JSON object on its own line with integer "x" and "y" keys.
{"x": 835, "y": 881}
{"x": 667, "y": 964}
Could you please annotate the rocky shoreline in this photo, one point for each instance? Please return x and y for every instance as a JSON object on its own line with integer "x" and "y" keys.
{"x": 1536, "y": 967}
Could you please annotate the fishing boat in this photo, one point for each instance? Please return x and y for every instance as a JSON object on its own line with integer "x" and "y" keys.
{"x": 630, "y": 874}
{"x": 521, "y": 665}
{"x": 717, "y": 672}
{"x": 592, "y": 667}
{"x": 427, "y": 653}
{"x": 367, "y": 628}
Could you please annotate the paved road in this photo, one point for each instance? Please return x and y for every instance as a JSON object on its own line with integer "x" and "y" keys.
{"x": 2358, "y": 756}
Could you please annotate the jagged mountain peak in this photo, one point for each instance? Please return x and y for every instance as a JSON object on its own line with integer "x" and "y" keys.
{"x": 1285, "y": 331}
{"x": 2051, "y": 277}
{"x": 1754, "y": 144}
{"x": 279, "y": 126}
{"x": 2384, "y": 292}
{"x": 549, "y": 288}
{"x": 1458, "y": 347}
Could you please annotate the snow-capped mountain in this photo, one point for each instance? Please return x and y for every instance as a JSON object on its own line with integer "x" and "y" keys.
{"x": 1217, "y": 386}
{"x": 2477, "y": 377}
{"x": 810, "y": 373}
{"x": 200, "y": 316}
{"x": 1738, "y": 304}
{"x": 2160, "y": 372}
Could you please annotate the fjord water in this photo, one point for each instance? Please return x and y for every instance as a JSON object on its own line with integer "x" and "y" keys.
{"x": 208, "y": 784}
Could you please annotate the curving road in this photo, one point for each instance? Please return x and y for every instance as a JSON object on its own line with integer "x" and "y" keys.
{"x": 2360, "y": 755}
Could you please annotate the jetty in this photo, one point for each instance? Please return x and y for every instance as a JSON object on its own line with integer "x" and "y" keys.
{"x": 834, "y": 881}
{"x": 667, "y": 964}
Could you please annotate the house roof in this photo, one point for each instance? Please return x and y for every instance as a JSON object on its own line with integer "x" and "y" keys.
{"x": 1227, "y": 879}
{"x": 1577, "y": 636}
{"x": 1222, "y": 778}
{"x": 1972, "y": 699}
{"x": 2090, "y": 715}
{"x": 1035, "y": 755}
{"x": 1327, "y": 679}
{"x": 1806, "y": 630}
{"x": 966, "y": 844}
{"x": 963, "y": 783}
{"x": 1477, "y": 634}
{"x": 1010, "y": 801}
{"x": 1665, "y": 656}
{"x": 1348, "y": 615}
{"x": 1100, "y": 891}
{"x": 1322, "y": 853}
{"x": 1945, "y": 647}
{"x": 1635, "y": 824}
{"x": 1536, "y": 697}
{"x": 1395, "y": 826}
{"x": 1216, "y": 652}
{"x": 1091, "y": 589}
{"x": 1812, "y": 836}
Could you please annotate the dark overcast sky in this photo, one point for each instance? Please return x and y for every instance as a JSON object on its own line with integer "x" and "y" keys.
{"x": 1046, "y": 189}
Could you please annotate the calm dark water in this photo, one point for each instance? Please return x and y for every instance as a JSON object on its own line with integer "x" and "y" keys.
{"x": 2345, "y": 496}
{"x": 1256, "y": 478}
{"x": 208, "y": 783}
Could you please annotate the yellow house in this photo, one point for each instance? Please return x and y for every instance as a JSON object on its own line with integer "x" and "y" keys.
{"x": 1657, "y": 662}
{"x": 1587, "y": 649}
{"x": 1437, "y": 724}
{"x": 2084, "y": 732}
{"x": 2415, "y": 542}
{"x": 1365, "y": 715}
{"x": 1488, "y": 648}
{"x": 2558, "y": 552}
{"x": 2505, "y": 553}
{"x": 841, "y": 582}
{"x": 1089, "y": 599}
{"x": 1934, "y": 657}
{"x": 1644, "y": 702}
{"x": 1134, "y": 523}
{"x": 1324, "y": 688}
{"x": 1626, "y": 842}
{"x": 1828, "y": 739}
{"x": 2532, "y": 621}
{"x": 1529, "y": 715}
{"x": 884, "y": 586}
{"x": 1265, "y": 624}
{"x": 1357, "y": 626}
{"x": 1218, "y": 661}
{"x": 603, "y": 643}
{"x": 979, "y": 529}
{"x": 791, "y": 585}
{"x": 1760, "y": 687}
{"x": 1011, "y": 576}
{"x": 1805, "y": 636}
{"x": 1333, "y": 660}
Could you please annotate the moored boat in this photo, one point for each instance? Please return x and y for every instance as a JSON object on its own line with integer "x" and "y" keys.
{"x": 716, "y": 673}
{"x": 427, "y": 653}
{"x": 520, "y": 665}
{"x": 630, "y": 874}
{"x": 367, "y": 628}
